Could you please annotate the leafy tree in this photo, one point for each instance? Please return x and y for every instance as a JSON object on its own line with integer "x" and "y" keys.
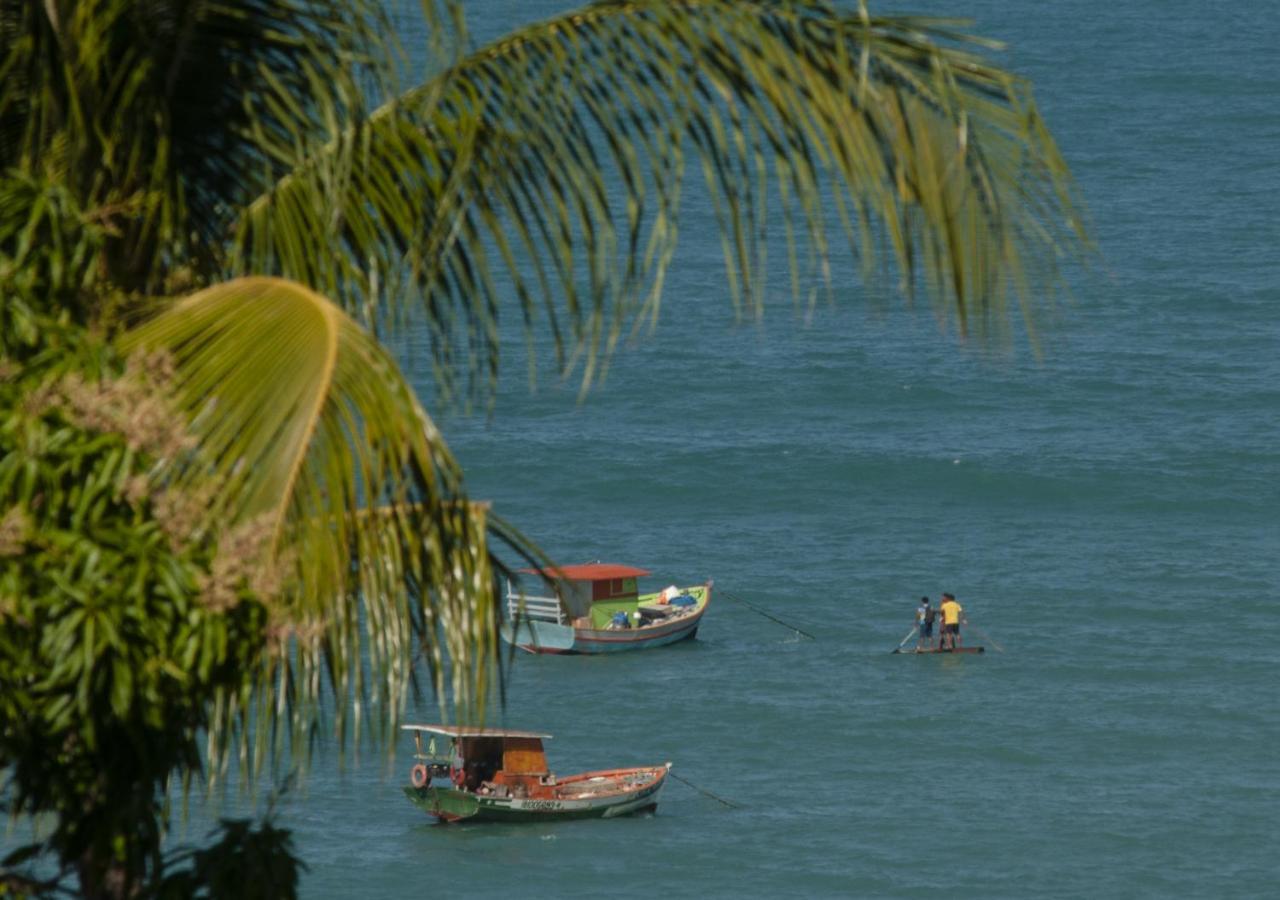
{"x": 215, "y": 507}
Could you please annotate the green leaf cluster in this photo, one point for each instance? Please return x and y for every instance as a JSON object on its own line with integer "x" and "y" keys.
{"x": 245, "y": 863}
{"x": 112, "y": 655}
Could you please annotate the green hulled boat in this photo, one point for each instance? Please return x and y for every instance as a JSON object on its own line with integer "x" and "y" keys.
{"x": 501, "y": 775}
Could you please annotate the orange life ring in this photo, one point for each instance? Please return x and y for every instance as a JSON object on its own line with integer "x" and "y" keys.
{"x": 457, "y": 776}
{"x": 419, "y": 775}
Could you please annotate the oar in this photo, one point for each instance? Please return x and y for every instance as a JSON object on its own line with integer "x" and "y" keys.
{"x": 701, "y": 791}
{"x": 986, "y": 637}
{"x": 768, "y": 616}
{"x": 915, "y": 629}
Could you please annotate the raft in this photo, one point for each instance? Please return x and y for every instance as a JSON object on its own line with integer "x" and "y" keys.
{"x": 937, "y": 650}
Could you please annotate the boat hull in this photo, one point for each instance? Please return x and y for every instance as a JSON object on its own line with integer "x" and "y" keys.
{"x": 450, "y": 805}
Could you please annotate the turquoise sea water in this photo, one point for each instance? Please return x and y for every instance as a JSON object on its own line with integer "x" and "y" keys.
{"x": 1108, "y": 514}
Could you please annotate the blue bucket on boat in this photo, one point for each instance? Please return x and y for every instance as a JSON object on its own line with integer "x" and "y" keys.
{"x": 620, "y": 619}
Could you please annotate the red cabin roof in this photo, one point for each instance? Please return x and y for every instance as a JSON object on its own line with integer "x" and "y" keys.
{"x": 590, "y": 572}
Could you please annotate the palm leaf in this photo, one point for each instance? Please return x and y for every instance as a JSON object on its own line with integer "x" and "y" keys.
{"x": 316, "y": 443}
{"x": 552, "y": 163}
{"x": 176, "y": 114}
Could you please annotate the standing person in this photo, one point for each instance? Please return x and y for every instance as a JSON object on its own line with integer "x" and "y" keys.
{"x": 952, "y": 616}
{"x": 924, "y": 620}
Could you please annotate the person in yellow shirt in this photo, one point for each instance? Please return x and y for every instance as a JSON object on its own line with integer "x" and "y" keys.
{"x": 952, "y": 615}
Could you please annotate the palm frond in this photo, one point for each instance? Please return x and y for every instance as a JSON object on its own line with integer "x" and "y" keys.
{"x": 317, "y": 445}
{"x": 180, "y": 112}
{"x": 548, "y": 167}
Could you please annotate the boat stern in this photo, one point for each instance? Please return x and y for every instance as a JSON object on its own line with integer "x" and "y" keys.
{"x": 537, "y": 636}
{"x": 445, "y": 804}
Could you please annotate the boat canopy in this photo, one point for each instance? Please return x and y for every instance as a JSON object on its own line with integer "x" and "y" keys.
{"x": 589, "y": 572}
{"x": 464, "y": 731}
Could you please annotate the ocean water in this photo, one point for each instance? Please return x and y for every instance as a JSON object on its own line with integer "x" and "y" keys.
{"x": 1107, "y": 514}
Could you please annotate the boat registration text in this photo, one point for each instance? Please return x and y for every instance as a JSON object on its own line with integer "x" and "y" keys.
{"x": 542, "y": 804}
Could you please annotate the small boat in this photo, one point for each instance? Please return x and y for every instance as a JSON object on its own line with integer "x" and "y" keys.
{"x": 597, "y": 608}
{"x": 498, "y": 775}
{"x": 940, "y": 650}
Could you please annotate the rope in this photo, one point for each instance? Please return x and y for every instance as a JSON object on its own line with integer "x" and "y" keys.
{"x": 986, "y": 637}
{"x": 701, "y": 791}
{"x": 768, "y": 616}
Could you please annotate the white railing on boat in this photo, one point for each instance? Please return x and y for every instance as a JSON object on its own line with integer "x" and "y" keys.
{"x": 544, "y": 609}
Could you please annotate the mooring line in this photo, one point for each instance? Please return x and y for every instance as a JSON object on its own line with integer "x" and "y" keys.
{"x": 701, "y": 791}
{"x": 986, "y": 637}
{"x": 768, "y": 616}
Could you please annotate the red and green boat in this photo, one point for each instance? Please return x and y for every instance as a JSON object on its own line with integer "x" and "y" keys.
{"x": 498, "y": 775}
{"x": 598, "y": 608}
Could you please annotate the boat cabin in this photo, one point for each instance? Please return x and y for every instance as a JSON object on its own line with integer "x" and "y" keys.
{"x": 483, "y": 759}
{"x": 587, "y": 595}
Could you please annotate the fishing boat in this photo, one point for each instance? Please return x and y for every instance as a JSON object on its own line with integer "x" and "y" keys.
{"x": 597, "y": 608}
{"x": 497, "y": 775}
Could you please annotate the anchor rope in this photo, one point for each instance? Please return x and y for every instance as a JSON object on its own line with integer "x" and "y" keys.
{"x": 774, "y": 618}
{"x": 702, "y": 791}
{"x": 986, "y": 637}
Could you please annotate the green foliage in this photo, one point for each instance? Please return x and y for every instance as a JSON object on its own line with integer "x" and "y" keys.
{"x": 115, "y": 99}
{"x": 48, "y": 252}
{"x": 244, "y": 864}
{"x": 303, "y": 436}
{"x": 117, "y": 638}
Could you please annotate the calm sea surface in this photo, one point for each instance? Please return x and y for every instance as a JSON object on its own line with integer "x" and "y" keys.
{"x": 1108, "y": 514}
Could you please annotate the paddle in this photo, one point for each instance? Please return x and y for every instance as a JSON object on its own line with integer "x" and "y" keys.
{"x": 915, "y": 629}
{"x": 768, "y": 616}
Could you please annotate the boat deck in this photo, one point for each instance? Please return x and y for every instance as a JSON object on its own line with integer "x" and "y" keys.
{"x": 596, "y": 784}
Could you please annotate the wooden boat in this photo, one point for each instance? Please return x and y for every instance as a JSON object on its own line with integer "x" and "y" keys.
{"x": 501, "y": 776}
{"x": 940, "y": 650}
{"x": 597, "y": 608}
